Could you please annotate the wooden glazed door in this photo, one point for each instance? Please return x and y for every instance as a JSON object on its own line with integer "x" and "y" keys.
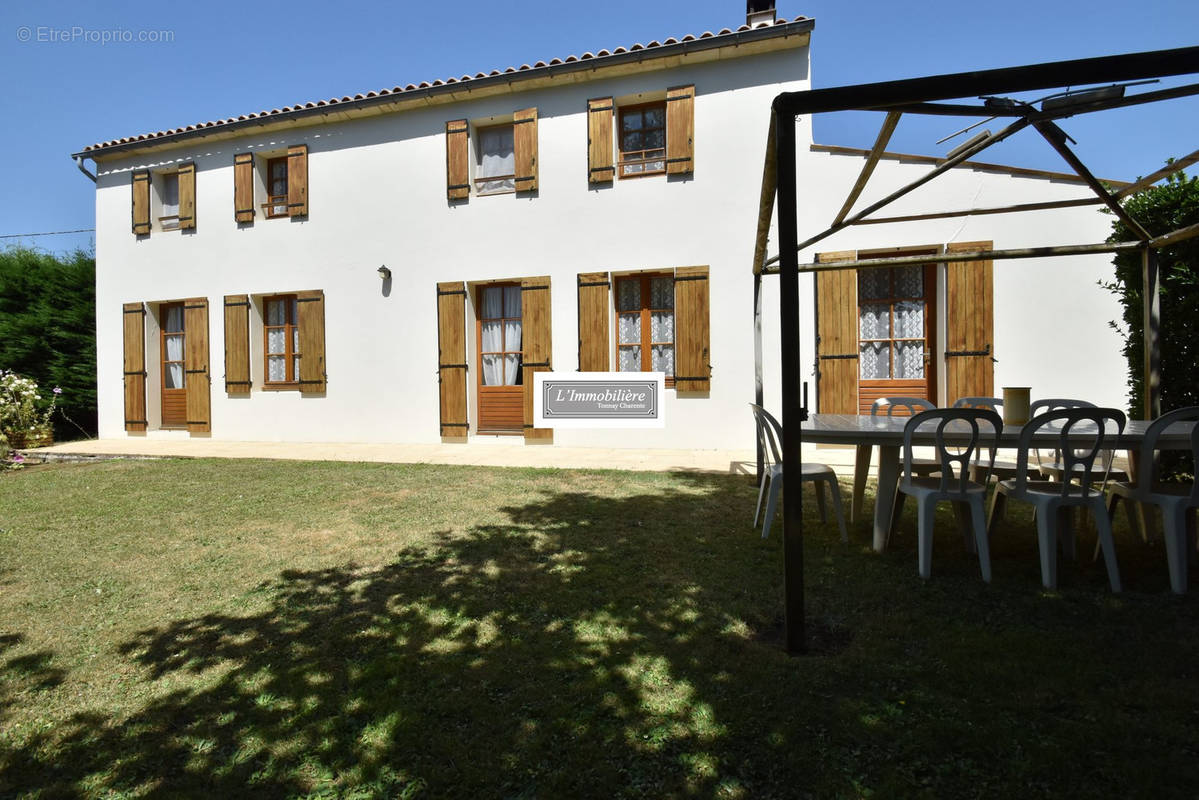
{"x": 498, "y": 340}
{"x": 896, "y": 333}
{"x": 174, "y": 376}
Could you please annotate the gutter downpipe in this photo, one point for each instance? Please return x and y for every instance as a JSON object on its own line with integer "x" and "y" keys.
{"x": 83, "y": 169}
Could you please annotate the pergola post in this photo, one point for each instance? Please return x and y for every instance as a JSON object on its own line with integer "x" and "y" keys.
{"x": 759, "y": 393}
{"x": 793, "y": 580}
{"x": 1151, "y": 331}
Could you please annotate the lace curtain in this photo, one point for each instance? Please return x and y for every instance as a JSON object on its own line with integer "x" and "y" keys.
{"x": 890, "y": 320}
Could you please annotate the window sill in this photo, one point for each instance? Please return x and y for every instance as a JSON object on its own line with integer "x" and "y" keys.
{"x": 280, "y": 387}
{"x": 632, "y": 175}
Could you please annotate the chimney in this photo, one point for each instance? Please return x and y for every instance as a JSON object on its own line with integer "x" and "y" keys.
{"x": 759, "y": 11}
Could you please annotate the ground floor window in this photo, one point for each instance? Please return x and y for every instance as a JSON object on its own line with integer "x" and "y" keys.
{"x": 645, "y": 324}
{"x": 282, "y": 341}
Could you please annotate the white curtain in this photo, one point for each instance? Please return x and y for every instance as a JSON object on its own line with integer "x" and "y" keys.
{"x": 512, "y": 334}
{"x": 170, "y": 195}
{"x": 174, "y": 372}
{"x": 497, "y": 156}
{"x": 493, "y": 335}
{"x": 500, "y": 318}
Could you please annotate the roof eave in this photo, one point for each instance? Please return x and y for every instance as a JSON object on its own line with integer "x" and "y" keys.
{"x": 800, "y": 27}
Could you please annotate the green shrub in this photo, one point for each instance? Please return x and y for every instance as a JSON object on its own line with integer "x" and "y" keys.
{"x": 48, "y": 328}
{"x": 1161, "y": 209}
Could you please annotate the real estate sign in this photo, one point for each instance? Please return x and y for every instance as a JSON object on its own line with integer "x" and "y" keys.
{"x": 598, "y": 400}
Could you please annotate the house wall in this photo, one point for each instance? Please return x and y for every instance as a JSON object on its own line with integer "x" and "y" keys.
{"x": 377, "y": 195}
{"x": 1051, "y": 315}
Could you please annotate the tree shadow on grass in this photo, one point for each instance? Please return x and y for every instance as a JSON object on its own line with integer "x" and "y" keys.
{"x": 590, "y": 647}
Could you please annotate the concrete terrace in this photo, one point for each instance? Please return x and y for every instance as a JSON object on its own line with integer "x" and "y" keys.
{"x": 485, "y": 454}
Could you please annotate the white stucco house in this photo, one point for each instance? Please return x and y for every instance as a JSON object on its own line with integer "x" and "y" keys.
{"x": 396, "y": 266}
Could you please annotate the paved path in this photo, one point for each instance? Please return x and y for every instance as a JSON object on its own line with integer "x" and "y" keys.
{"x": 490, "y": 455}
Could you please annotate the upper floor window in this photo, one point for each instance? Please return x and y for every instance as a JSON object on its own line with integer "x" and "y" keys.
{"x": 493, "y": 155}
{"x": 276, "y": 188}
{"x": 274, "y": 182}
{"x": 642, "y": 134}
{"x": 495, "y": 165}
{"x": 169, "y": 186}
{"x": 642, "y": 140}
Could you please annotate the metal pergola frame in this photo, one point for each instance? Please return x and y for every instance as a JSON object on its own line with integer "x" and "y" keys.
{"x": 924, "y": 96}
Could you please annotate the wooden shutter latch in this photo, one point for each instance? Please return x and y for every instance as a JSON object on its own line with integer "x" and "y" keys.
{"x": 986, "y": 351}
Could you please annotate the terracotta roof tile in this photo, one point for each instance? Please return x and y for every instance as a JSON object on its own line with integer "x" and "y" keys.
{"x": 587, "y": 56}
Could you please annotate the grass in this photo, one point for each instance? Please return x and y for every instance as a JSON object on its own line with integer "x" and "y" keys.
{"x": 280, "y": 629}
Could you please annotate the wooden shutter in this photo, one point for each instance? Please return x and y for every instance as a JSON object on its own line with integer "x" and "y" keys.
{"x": 524, "y": 136}
{"x": 451, "y": 358}
{"x": 187, "y": 196}
{"x": 457, "y": 155}
{"x": 243, "y": 187}
{"x": 692, "y": 353}
{"x": 135, "y": 366}
{"x": 237, "y": 344}
{"x": 535, "y": 344}
{"x": 594, "y": 288}
{"x": 297, "y": 181}
{"x": 141, "y": 203}
{"x": 680, "y": 130}
{"x": 195, "y": 365}
{"x": 969, "y": 370}
{"x": 600, "y": 167}
{"x": 837, "y": 337}
{"x": 310, "y": 313}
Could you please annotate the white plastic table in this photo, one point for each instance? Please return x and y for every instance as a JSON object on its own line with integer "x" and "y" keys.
{"x": 886, "y": 433}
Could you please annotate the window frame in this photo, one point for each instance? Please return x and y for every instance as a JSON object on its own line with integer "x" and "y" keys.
{"x": 928, "y": 340}
{"x": 478, "y": 179}
{"x": 621, "y": 161}
{"x": 275, "y": 201}
{"x": 168, "y": 222}
{"x": 646, "y": 312}
{"x": 164, "y": 333}
{"x": 480, "y": 319}
{"x": 290, "y": 329}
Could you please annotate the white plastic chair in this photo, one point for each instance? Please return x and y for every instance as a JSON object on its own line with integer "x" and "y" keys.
{"x": 920, "y": 466}
{"x": 1000, "y": 470}
{"x": 1175, "y": 500}
{"x": 1055, "y": 469}
{"x": 953, "y": 485}
{"x": 770, "y": 434}
{"x": 1088, "y": 427}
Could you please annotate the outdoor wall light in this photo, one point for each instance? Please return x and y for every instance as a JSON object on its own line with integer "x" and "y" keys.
{"x": 384, "y": 273}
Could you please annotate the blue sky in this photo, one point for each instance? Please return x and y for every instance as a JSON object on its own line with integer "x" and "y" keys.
{"x": 224, "y": 59}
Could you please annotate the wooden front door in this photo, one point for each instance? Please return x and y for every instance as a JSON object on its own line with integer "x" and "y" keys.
{"x": 498, "y": 341}
{"x": 896, "y": 333}
{"x": 174, "y": 376}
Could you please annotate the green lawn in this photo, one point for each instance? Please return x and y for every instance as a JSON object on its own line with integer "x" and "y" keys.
{"x": 279, "y": 629}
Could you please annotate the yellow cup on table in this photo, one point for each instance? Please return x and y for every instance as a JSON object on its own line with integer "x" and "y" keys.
{"x": 1015, "y": 404}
